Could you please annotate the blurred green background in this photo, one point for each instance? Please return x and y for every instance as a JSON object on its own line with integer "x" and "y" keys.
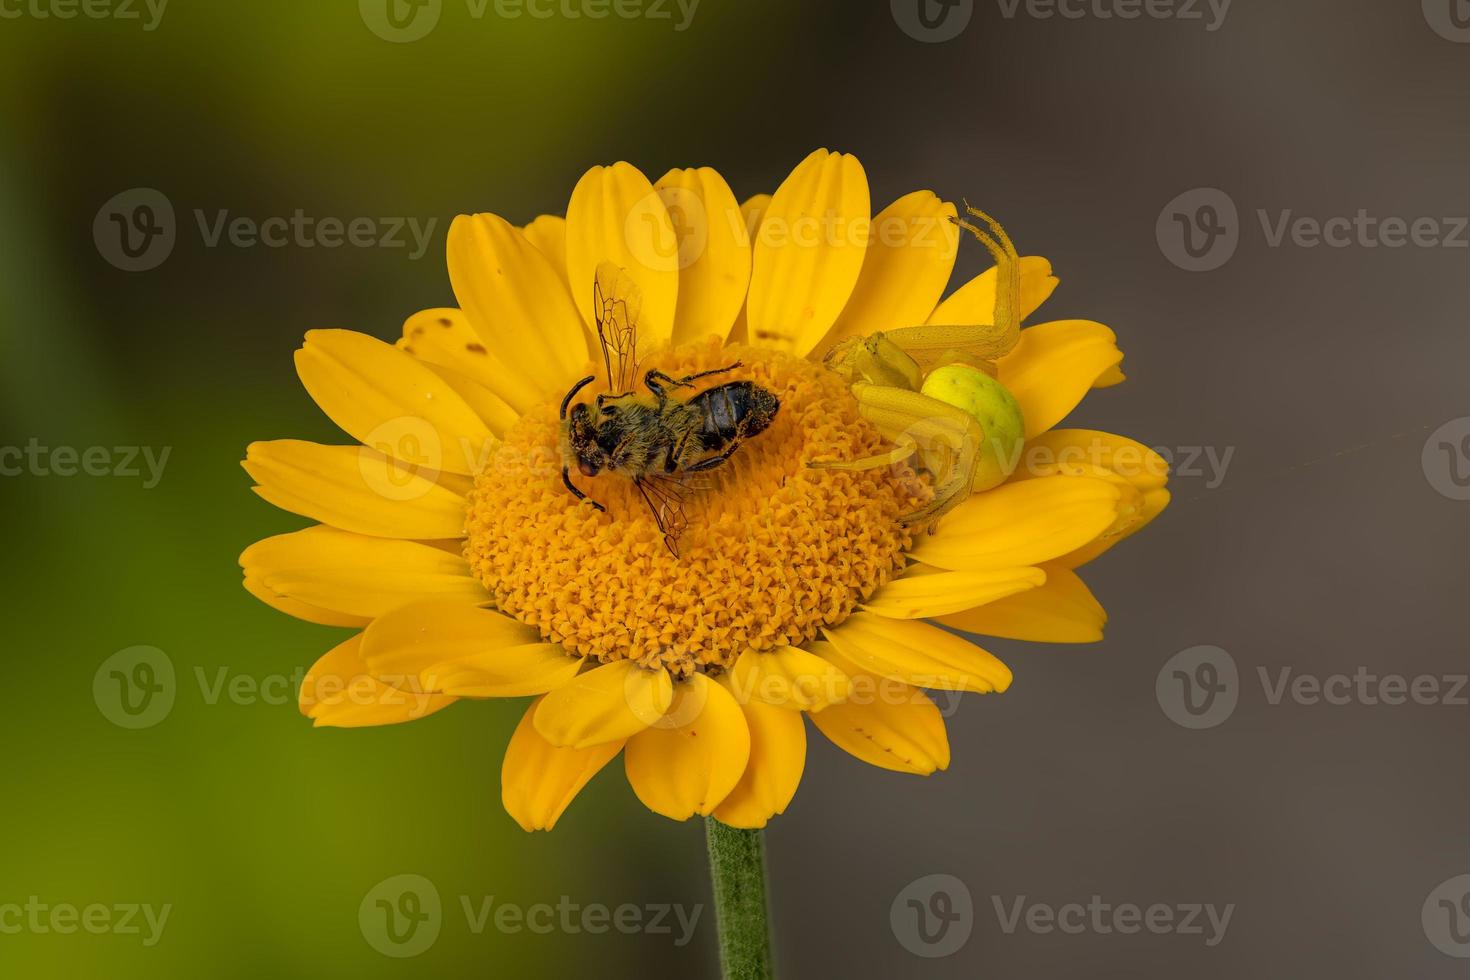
{"x": 1324, "y": 549}
{"x": 262, "y": 834}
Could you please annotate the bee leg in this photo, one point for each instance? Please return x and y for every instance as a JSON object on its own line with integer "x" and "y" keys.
{"x": 712, "y": 462}
{"x": 606, "y": 397}
{"x": 653, "y": 378}
{"x": 566, "y": 477}
{"x": 689, "y": 379}
{"x": 656, "y": 379}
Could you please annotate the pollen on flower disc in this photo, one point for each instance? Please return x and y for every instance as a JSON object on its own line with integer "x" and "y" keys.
{"x": 773, "y": 550}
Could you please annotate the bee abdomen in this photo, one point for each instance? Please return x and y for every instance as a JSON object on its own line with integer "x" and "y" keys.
{"x": 735, "y": 410}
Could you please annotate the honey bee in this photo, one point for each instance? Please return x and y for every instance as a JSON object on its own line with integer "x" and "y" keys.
{"x": 660, "y": 442}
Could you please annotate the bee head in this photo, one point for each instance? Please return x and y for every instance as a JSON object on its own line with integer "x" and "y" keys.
{"x": 582, "y": 440}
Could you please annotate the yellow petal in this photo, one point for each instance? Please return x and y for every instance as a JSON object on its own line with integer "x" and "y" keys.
{"x": 919, "y": 654}
{"x": 616, "y": 216}
{"x": 355, "y": 574}
{"x": 690, "y": 761}
{"x": 539, "y": 780}
{"x": 1022, "y": 523}
{"x": 416, "y": 638}
{"x": 777, "y": 758}
{"x": 1087, "y": 452}
{"x": 714, "y": 252}
{"x": 493, "y": 410}
{"x": 974, "y": 302}
{"x": 533, "y": 668}
{"x": 517, "y": 304}
{"x": 339, "y": 692}
{"x": 301, "y": 610}
{"x": 1142, "y": 509}
{"x": 1075, "y": 452}
{"x": 385, "y": 399}
{"x": 752, "y": 209}
{"x": 808, "y": 253}
{"x": 444, "y": 338}
{"x": 1053, "y": 367}
{"x": 549, "y": 234}
{"x": 885, "y": 723}
{"x": 354, "y": 488}
{"x": 923, "y": 596}
{"x": 1061, "y": 611}
{"x": 787, "y": 677}
{"x": 910, "y": 257}
{"x": 605, "y": 704}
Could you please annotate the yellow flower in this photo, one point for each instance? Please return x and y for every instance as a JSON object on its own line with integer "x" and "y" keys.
{"x": 447, "y": 540}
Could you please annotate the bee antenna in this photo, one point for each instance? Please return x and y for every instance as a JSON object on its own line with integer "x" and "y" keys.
{"x": 573, "y": 393}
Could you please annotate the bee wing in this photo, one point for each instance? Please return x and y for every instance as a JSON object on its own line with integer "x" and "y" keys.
{"x": 666, "y": 496}
{"x": 616, "y": 303}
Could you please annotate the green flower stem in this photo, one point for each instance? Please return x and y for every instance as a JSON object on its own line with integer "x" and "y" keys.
{"x": 737, "y": 863}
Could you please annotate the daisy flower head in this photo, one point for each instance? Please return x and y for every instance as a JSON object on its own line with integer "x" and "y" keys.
{"x": 686, "y": 472}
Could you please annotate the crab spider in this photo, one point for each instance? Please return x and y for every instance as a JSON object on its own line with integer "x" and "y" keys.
{"x": 886, "y": 371}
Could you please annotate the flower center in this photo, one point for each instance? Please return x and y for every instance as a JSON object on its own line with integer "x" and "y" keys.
{"x": 773, "y": 549}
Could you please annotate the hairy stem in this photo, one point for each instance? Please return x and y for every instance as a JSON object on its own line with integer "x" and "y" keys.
{"x": 738, "y": 868}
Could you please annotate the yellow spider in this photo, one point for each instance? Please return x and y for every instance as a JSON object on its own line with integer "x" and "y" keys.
{"x": 887, "y": 371}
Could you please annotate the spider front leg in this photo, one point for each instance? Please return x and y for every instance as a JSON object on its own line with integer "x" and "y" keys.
{"x": 980, "y": 345}
{"x": 946, "y": 440}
